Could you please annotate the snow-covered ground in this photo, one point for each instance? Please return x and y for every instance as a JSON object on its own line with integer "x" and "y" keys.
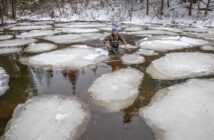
{"x": 117, "y": 90}
{"x": 4, "y": 78}
{"x": 48, "y": 118}
{"x": 182, "y": 112}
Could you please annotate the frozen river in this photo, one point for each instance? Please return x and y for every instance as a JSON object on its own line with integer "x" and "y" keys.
{"x": 67, "y": 60}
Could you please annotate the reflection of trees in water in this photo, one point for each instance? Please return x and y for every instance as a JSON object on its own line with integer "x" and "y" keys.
{"x": 73, "y": 76}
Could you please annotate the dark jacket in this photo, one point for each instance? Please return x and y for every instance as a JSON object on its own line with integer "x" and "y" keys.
{"x": 114, "y": 39}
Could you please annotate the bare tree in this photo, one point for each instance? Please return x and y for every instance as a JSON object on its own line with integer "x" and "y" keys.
{"x": 190, "y": 7}
{"x": 168, "y": 4}
{"x": 161, "y": 8}
{"x": 206, "y": 11}
{"x": 1, "y": 12}
{"x": 147, "y": 7}
{"x": 13, "y": 3}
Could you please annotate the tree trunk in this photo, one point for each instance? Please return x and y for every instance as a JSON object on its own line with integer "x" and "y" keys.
{"x": 147, "y": 7}
{"x": 168, "y": 5}
{"x": 1, "y": 13}
{"x": 206, "y": 11}
{"x": 161, "y": 9}
{"x": 190, "y": 7}
{"x": 13, "y": 9}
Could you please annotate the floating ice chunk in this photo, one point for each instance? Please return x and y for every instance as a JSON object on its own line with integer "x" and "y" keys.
{"x": 146, "y": 52}
{"x": 130, "y": 59}
{"x": 73, "y": 58}
{"x": 36, "y": 27}
{"x": 48, "y": 118}
{"x": 208, "y": 48}
{"x": 182, "y": 65}
{"x": 40, "y": 47}
{"x": 167, "y": 37}
{"x": 9, "y": 50}
{"x": 79, "y": 25}
{"x": 163, "y": 45}
{"x": 176, "y": 30}
{"x": 37, "y": 33}
{"x": 131, "y": 29}
{"x": 16, "y": 42}
{"x": 183, "y": 111}
{"x": 4, "y": 78}
{"x": 117, "y": 90}
{"x": 128, "y": 46}
{"x": 149, "y": 32}
{"x": 75, "y": 31}
{"x": 72, "y": 38}
{"x": 5, "y": 37}
{"x": 197, "y": 30}
{"x": 193, "y": 41}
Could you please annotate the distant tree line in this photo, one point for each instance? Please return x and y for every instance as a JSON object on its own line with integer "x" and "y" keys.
{"x": 9, "y": 8}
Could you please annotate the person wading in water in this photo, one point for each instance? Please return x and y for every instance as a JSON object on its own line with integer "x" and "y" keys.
{"x": 112, "y": 41}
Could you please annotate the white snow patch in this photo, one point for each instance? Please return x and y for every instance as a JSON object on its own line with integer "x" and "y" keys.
{"x": 193, "y": 41}
{"x": 72, "y": 38}
{"x": 182, "y": 65}
{"x": 5, "y": 37}
{"x": 40, "y": 47}
{"x": 48, "y": 118}
{"x": 131, "y": 29}
{"x": 130, "y": 59}
{"x": 183, "y": 111}
{"x": 117, "y": 90}
{"x": 4, "y": 78}
{"x": 37, "y": 33}
{"x": 73, "y": 58}
{"x": 16, "y": 42}
{"x": 9, "y": 50}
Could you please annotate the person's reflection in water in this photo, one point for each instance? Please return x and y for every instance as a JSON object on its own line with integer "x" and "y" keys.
{"x": 115, "y": 63}
{"x": 49, "y": 76}
{"x": 73, "y": 76}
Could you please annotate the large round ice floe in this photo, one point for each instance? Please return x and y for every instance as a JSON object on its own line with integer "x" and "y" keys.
{"x": 182, "y": 65}
{"x": 130, "y": 59}
{"x": 182, "y": 112}
{"x": 48, "y": 118}
{"x": 16, "y": 42}
{"x": 75, "y": 31}
{"x": 149, "y": 32}
{"x": 37, "y": 33}
{"x": 36, "y": 27}
{"x": 72, "y": 38}
{"x": 167, "y": 45}
{"x": 4, "y": 78}
{"x": 71, "y": 58}
{"x": 40, "y": 47}
{"x": 9, "y": 50}
{"x": 117, "y": 90}
{"x": 5, "y": 37}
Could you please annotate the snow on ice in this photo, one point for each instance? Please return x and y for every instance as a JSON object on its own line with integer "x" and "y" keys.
{"x": 9, "y": 50}
{"x": 48, "y": 118}
{"x": 37, "y": 33}
{"x": 182, "y": 65}
{"x": 118, "y": 90}
{"x": 72, "y": 58}
{"x": 16, "y": 42}
{"x": 130, "y": 59}
{"x": 40, "y": 47}
{"x": 4, "y": 78}
{"x": 183, "y": 111}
